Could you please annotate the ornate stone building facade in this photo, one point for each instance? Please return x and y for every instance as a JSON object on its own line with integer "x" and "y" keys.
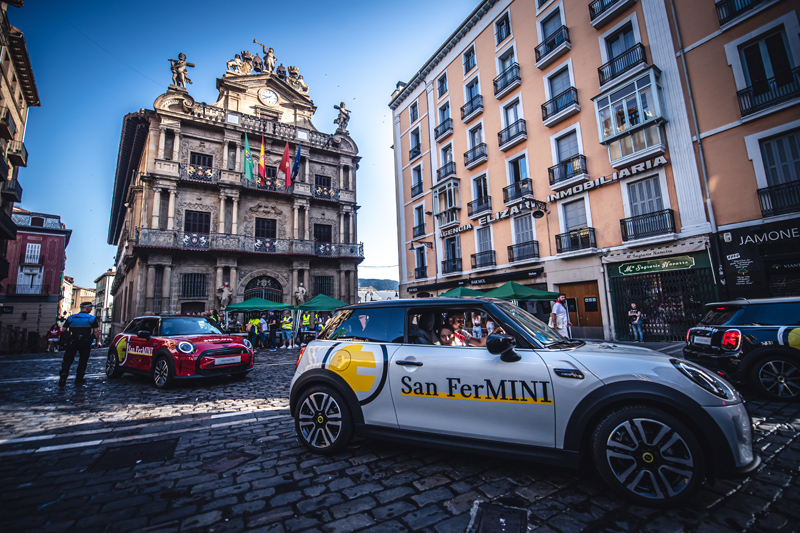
{"x": 194, "y": 232}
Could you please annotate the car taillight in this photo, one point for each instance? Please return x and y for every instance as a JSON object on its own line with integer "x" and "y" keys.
{"x": 688, "y": 332}
{"x": 731, "y": 339}
{"x": 303, "y": 349}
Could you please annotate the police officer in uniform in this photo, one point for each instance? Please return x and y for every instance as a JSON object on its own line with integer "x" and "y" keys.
{"x": 79, "y": 330}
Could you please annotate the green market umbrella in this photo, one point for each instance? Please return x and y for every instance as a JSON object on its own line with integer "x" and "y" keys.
{"x": 515, "y": 291}
{"x": 256, "y": 304}
{"x": 460, "y": 292}
{"x": 320, "y": 302}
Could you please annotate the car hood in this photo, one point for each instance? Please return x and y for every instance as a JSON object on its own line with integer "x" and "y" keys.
{"x": 208, "y": 339}
{"x": 618, "y": 350}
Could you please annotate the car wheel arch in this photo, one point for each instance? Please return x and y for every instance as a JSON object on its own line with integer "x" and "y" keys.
{"x": 162, "y": 352}
{"x": 750, "y": 360}
{"x": 322, "y": 376}
{"x": 608, "y": 398}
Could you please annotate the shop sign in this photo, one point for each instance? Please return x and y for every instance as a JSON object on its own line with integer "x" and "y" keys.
{"x": 605, "y": 180}
{"x": 657, "y": 265}
{"x": 528, "y": 274}
{"x": 456, "y": 231}
{"x": 515, "y": 209}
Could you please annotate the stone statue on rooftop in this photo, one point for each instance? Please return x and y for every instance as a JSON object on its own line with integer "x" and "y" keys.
{"x": 235, "y": 64}
{"x": 179, "y": 76}
{"x": 269, "y": 58}
{"x": 343, "y": 119}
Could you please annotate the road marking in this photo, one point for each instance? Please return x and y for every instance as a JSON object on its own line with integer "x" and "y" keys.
{"x": 671, "y": 350}
{"x": 46, "y": 378}
{"x": 58, "y": 360}
{"x": 86, "y": 444}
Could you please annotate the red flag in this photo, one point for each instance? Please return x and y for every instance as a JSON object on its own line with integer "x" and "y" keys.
{"x": 285, "y": 167}
{"x": 262, "y": 164}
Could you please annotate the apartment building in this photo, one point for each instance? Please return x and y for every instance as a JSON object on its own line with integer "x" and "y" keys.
{"x": 195, "y": 231}
{"x": 595, "y": 184}
{"x": 104, "y": 301}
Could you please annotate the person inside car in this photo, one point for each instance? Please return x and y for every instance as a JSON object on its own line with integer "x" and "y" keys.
{"x": 447, "y": 337}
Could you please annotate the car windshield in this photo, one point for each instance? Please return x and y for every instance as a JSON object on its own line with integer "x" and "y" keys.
{"x": 532, "y": 325}
{"x": 188, "y": 326}
{"x": 720, "y": 315}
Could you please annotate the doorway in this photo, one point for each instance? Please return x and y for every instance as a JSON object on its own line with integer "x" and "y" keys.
{"x": 583, "y": 304}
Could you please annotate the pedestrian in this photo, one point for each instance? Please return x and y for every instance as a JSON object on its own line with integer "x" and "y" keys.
{"x": 52, "y": 337}
{"x": 559, "y": 317}
{"x": 263, "y": 328}
{"x": 286, "y": 329}
{"x": 274, "y": 329}
{"x": 306, "y": 321}
{"x": 635, "y": 316}
{"x": 80, "y": 330}
{"x": 252, "y": 330}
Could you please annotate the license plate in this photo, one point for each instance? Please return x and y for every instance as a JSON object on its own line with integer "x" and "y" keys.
{"x": 227, "y": 360}
{"x": 703, "y": 340}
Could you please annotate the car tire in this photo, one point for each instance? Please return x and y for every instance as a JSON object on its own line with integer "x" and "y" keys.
{"x": 163, "y": 372}
{"x": 777, "y": 377}
{"x": 323, "y": 421}
{"x": 648, "y": 456}
{"x": 113, "y": 370}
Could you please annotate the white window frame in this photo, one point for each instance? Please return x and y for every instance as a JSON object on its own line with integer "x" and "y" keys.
{"x": 601, "y": 40}
{"x": 447, "y": 81}
{"x": 442, "y": 149}
{"x": 555, "y": 70}
{"x": 506, "y": 13}
{"x": 418, "y": 131}
{"x": 544, "y": 7}
{"x": 509, "y": 48}
{"x": 566, "y": 131}
{"x": 562, "y": 224}
{"x": 410, "y": 106}
{"x": 469, "y": 72}
{"x": 473, "y": 188}
{"x": 514, "y": 156}
{"x": 467, "y": 82}
{"x": 509, "y": 100}
{"x": 544, "y": 15}
{"x": 421, "y": 173}
{"x": 425, "y": 255}
{"x": 471, "y": 128}
{"x": 439, "y": 107}
{"x": 662, "y": 182}
{"x": 513, "y": 227}
{"x": 491, "y": 244}
{"x": 420, "y": 204}
{"x": 33, "y": 251}
{"x": 791, "y": 27}
{"x": 753, "y": 145}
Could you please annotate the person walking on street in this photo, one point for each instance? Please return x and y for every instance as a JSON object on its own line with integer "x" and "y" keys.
{"x": 52, "y": 338}
{"x": 559, "y": 317}
{"x": 80, "y": 330}
{"x": 286, "y": 326}
{"x": 635, "y": 316}
{"x": 263, "y": 328}
{"x": 252, "y": 330}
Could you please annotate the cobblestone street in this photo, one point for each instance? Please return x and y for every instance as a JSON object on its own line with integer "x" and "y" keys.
{"x": 221, "y": 455}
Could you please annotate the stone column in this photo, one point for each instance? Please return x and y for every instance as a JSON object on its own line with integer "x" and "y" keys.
{"x": 341, "y": 176}
{"x": 149, "y": 290}
{"x": 341, "y": 226}
{"x": 225, "y": 156}
{"x": 145, "y": 222}
{"x": 161, "y": 141}
{"x": 219, "y": 278}
{"x": 171, "y": 209}
{"x": 156, "y": 206}
{"x": 294, "y": 286}
{"x": 221, "y": 225}
{"x": 294, "y": 231}
{"x": 307, "y": 231}
{"x": 238, "y": 167}
{"x": 307, "y": 171}
{"x": 234, "y": 280}
{"x": 176, "y": 148}
{"x": 235, "y": 216}
{"x": 341, "y": 285}
{"x": 353, "y": 287}
{"x": 165, "y": 282}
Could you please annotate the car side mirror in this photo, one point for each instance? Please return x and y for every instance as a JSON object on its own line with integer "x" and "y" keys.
{"x": 503, "y": 345}
{"x": 144, "y": 334}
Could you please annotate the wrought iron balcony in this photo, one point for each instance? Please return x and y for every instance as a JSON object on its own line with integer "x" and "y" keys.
{"x": 472, "y": 108}
{"x": 271, "y": 184}
{"x": 728, "y": 10}
{"x": 421, "y": 272}
{"x": 17, "y": 154}
{"x": 199, "y": 241}
{"x": 4, "y": 168}
{"x": 474, "y": 156}
{"x": 507, "y": 80}
{"x": 8, "y": 230}
{"x": 449, "y": 217}
{"x": 550, "y": 44}
{"x": 479, "y": 206}
{"x": 517, "y": 191}
{"x": 648, "y": 225}
{"x": 415, "y": 152}
{"x": 523, "y": 250}
{"x": 771, "y": 92}
{"x": 38, "y": 289}
{"x": 199, "y": 173}
{"x": 780, "y": 199}
{"x": 12, "y": 190}
{"x": 514, "y": 134}
{"x": 417, "y": 189}
{"x": 599, "y": 7}
{"x": 567, "y": 169}
{"x": 328, "y": 249}
{"x": 326, "y": 192}
{"x": 483, "y": 259}
{"x": 621, "y": 64}
{"x": 419, "y": 230}
{"x": 451, "y": 265}
{"x": 445, "y": 171}
{"x": 559, "y": 103}
{"x": 443, "y": 130}
{"x": 572, "y": 241}
{"x": 8, "y": 128}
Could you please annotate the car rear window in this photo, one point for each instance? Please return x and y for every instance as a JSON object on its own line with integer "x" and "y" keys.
{"x": 720, "y": 315}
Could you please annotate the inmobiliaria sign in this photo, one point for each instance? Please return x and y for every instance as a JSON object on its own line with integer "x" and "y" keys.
{"x": 605, "y": 180}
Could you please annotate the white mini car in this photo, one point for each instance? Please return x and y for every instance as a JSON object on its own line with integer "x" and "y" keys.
{"x": 484, "y": 375}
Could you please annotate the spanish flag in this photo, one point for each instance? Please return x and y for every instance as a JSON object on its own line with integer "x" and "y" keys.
{"x": 285, "y": 167}
{"x": 262, "y": 164}
{"x": 248, "y": 160}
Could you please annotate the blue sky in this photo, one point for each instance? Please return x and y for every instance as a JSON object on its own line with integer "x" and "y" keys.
{"x": 96, "y": 61}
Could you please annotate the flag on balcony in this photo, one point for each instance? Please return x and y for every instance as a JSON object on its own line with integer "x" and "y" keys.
{"x": 248, "y": 160}
{"x": 296, "y": 167}
{"x": 262, "y": 163}
{"x": 284, "y": 167}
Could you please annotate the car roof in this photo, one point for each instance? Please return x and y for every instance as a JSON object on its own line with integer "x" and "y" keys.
{"x": 168, "y": 316}
{"x": 759, "y": 301}
{"x": 423, "y": 302}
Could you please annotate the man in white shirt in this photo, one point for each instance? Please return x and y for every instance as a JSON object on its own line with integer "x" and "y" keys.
{"x": 559, "y": 317}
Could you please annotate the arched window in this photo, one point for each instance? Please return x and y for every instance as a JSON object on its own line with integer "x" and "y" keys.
{"x": 264, "y": 287}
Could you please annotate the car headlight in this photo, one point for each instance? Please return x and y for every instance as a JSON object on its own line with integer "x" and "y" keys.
{"x": 705, "y": 379}
{"x": 248, "y": 344}
{"x": 186, "y": 347}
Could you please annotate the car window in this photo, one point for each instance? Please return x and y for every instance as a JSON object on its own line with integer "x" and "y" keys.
{"x": 531, "y": 325}
{"x": 450, "y": 326}
{"x": 720, "y": 315}
{"x": 133, "y": 326}
{"x": 368, "y": 325}
{"x": 188, "y": 326}
{"x": 786, "y": 314}
{"x": 148, "y": 324}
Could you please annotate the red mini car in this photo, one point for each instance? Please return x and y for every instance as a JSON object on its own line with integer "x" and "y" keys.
{"x": 177, "y": 347}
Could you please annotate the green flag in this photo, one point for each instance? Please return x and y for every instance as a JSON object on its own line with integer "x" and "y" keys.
{"x": 248, "y": 160}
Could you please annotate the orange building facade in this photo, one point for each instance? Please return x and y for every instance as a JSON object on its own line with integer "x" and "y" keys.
{"x": 555, "y": 145}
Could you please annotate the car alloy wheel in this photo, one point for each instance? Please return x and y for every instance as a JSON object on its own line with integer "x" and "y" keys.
{"x": 162, "y": 373}
{"x": 648, "y": 456}
{"x": 323, "y": 421}
{"x": 778, "y": 378}
{"x": 112, "y": 364}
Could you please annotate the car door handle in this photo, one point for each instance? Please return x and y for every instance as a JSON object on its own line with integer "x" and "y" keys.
{"x": 568, "y": 373}
{"x": 408, "y": 363}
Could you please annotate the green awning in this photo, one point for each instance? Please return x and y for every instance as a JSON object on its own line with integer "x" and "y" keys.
{"x": 257, "y": 304}
{"x": 515, "y": 291}
{"x": 460, "y": 292}
{"x": 320, "y": 302}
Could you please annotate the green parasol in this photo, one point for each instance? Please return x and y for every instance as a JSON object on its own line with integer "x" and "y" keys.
{"x": 320, "y": 302}
{"x": 515, "y": 291}
{"x": 256, "y": 304}
{"x": 460, "y": 292}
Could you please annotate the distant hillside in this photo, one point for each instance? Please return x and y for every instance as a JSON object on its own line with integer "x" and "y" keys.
{"x": 379, "y": 284}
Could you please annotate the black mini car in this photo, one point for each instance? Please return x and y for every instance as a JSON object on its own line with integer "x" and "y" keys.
{"x": 751, "y": 340}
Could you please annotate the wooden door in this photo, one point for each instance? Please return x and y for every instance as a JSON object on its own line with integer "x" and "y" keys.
{"x": 584, "y": 298}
